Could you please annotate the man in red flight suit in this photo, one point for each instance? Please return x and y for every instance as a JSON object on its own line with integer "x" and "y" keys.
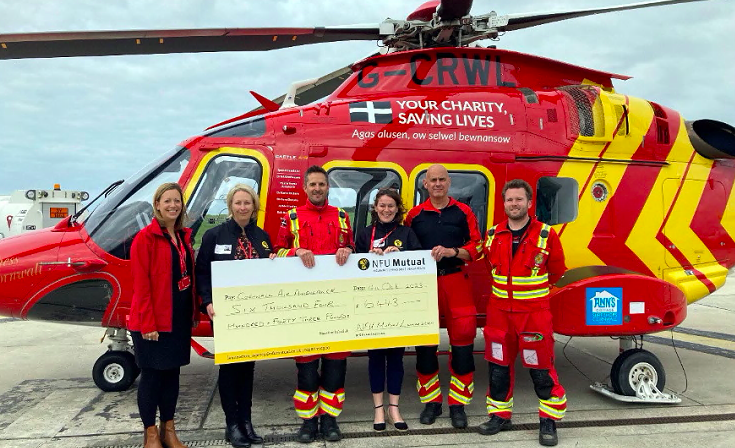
{"x": 525, "y": 256}
{"x": 449, "y": 229}
{"x": 317, "y": 228}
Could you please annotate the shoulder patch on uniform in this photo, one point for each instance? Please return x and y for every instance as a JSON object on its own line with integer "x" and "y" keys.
{"x": 342, "y": 213}
{"x": 292, "y": 215}
{"x": 544, "y": 233}
{"x": 491, "y": 232}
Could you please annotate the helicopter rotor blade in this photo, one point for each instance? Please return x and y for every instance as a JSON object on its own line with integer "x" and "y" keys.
{"x": 520, "y": 21}
{"x": 110, "y": 43}
{"x": 453, "y": 9}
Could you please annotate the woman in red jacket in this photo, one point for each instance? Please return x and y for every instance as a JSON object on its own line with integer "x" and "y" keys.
{"x": 162, "y": 312}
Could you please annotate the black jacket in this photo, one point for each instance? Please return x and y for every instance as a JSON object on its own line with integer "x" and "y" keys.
{"x": 404, "y": 238}
{"x": 219, "y": 244}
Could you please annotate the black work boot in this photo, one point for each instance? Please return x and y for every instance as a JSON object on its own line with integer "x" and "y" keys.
{"x": 308, "y": 431}
{"x": 236, "y": 437}
{"x": 247, "y": 427}
{"x": 458, "y": 416}
{"x": 547, "y": 432}
{"x": 329, "y": 428}
{"x": 495, "y": 425}
{"x": 430, "y": 413}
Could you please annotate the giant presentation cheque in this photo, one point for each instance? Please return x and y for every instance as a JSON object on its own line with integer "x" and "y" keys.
{"x": 278, "y": 308}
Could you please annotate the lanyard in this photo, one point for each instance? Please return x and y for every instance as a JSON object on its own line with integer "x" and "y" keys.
{"x": 382, "y": 240}
{"x": 181, "y": 250}
{"x": 249, "y": 251}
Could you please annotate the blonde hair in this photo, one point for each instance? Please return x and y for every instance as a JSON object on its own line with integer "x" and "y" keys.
{"x": 168, "y": 186}
{"x": 249, "y": 190}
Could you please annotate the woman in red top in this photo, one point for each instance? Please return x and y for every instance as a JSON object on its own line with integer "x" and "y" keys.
{"x": 162, "y": 312}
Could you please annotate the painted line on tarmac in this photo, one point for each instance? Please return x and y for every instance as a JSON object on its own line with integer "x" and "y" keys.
{"x": 4, "y": 320}
{"x": 281, "y": 438}
{"x": 717, "y": 345}
{"x": 708, "y": 334}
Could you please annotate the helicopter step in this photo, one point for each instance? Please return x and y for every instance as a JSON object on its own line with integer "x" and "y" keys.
{"x": 647, "y": 395}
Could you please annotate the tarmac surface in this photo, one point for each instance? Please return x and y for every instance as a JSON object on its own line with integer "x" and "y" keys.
{"x": 48, "y": 398}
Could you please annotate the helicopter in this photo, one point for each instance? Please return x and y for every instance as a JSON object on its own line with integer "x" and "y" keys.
{"x": 640, "y": 197}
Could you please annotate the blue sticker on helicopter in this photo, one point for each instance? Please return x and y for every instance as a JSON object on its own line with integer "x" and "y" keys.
{"x": 604, "y": 306}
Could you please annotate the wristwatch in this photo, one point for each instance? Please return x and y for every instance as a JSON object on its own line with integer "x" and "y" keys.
{"x": 456, "y": 252}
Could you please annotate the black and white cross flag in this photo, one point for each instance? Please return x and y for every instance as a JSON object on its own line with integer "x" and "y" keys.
{"x": 371, "y": 112}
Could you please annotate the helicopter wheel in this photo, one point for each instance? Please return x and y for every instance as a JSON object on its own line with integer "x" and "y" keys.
{"x": 115, "y": 371}
{"x": 637, "y": 373}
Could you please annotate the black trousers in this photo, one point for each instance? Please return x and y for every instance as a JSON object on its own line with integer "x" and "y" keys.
{"x": 236, "y": 390}
{"x": 385, "y": 364}
{"x": 158, "y": 390}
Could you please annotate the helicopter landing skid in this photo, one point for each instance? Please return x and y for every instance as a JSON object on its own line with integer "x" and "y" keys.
{"x": 647, "y": 393}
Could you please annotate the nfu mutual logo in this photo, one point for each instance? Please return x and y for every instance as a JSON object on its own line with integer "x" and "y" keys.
{"x": 604, "y": 306}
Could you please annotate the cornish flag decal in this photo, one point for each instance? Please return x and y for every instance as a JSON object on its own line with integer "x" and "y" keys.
{"x": 372, "y": 112}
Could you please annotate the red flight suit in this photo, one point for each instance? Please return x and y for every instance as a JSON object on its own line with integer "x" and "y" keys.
{"x": 454, "y": 226}
{"x": 322, "y": 230}
{"x": 519, "y": 316}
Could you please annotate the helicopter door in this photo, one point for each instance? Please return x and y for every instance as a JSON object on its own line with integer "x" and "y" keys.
{"x": 683, "y": 245}
{"x": 207, "y": 206}
{"x": 353, "y": 188}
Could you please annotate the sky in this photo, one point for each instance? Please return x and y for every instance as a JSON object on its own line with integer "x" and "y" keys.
{"x": 86, "y": 122}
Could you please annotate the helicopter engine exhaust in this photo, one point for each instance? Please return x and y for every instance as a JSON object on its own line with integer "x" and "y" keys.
{"x": 712, "y": 139}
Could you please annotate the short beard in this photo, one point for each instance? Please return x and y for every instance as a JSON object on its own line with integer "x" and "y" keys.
{"x": 520, "y": 218}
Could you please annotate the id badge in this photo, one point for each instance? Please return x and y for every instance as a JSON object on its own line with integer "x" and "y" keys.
{"x": 377, "y": 244}
{"x": 184, "y": 283}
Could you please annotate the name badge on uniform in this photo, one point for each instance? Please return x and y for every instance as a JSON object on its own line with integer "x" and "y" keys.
{"x": 184, "y": 283}
{"x": 223, "y": 249}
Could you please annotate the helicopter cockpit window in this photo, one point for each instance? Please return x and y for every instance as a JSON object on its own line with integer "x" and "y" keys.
{"x": 251, "y": 128}
{"x": 354, "y": 190}
{"x": 468, "y": 187}
{"x": 557, "y": 200}
{"x": 208, "y": 204}
{"x": 120, "y": 216}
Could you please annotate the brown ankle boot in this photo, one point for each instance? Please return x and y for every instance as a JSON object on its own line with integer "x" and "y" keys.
{"x": 151, "y": 438}
{"x": 168, "y": 436}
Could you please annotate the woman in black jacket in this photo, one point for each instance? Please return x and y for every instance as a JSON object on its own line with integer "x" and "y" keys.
{"x": 238, "y": 238}
{"x": 385, "y": 235}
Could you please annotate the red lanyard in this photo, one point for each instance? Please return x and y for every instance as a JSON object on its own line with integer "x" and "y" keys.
{"x": 249, "y": 251}
{"x": 181, "y": 250}
{"x": 382, "y": 240}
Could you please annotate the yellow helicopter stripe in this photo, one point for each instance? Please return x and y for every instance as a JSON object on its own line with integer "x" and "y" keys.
{"x": 678, "y": 228}
{"x": 578, "y": 234}
{"x": 642, "y": 239}
{"x": 728, "y": 217}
